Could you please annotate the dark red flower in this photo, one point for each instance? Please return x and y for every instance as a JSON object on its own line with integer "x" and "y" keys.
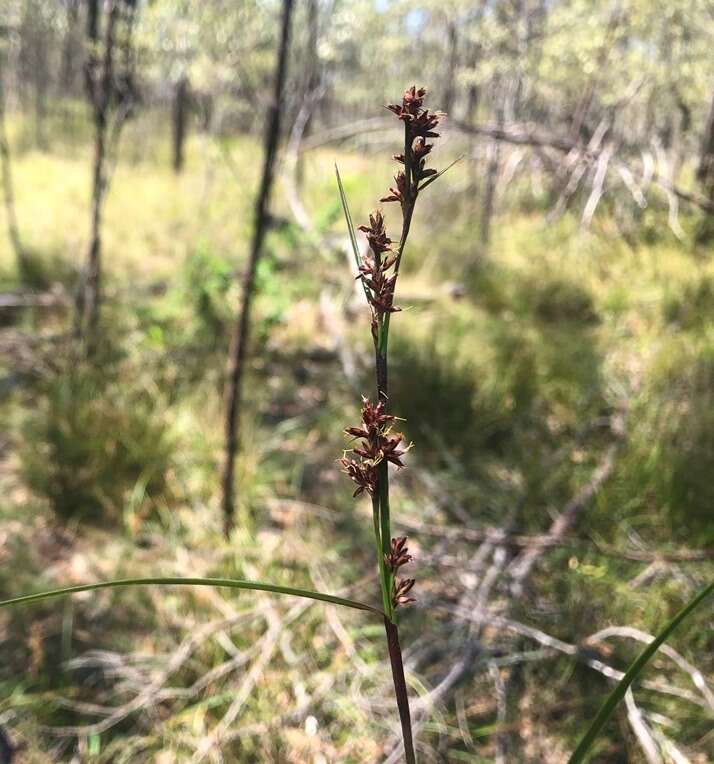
{"x": 398, "y": 554}
{"x": 400, "y": 192}
{"x": 373, "y": 269}
{"x": 374, "y": 414}
{"x": 424, "y": 123}
{"x": 413, "y": 98}
{"x": 377, "y": 443}
{"x": 365, "y": 476}
{"x": 376, "y": 234}
{"x": 391, "y": 451}
{"x": 412, "y": 101}
{"x": 400, "y": 592}
{"x": 420, "y": 148}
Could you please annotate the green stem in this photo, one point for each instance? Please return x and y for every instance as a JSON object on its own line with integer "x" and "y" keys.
{"x": 385, "y": 522}
{"x": 400, "y": 689}
{"x": 384, "y": 575}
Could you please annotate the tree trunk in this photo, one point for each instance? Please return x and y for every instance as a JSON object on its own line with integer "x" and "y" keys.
{"x": 705, "y": 170}
{"x": 312, "y": 80}
{"x": 94, "y": 10}
{"x": 100, "y": 87}
{"x": 41, "y": 106}
{"x": 92, "y": 288}
{"x": 705, "y": 175}
{"x": 7, "y": 184}
{"x": 179, "y": 122}
{"x": 472, "y": 102}
{"x": 452, "y": 64}
{"x": 70, "y": 49}
{"x": 34, "y": 42}
{"x": 238, "y": 351}
{"x": 494, "y": 162}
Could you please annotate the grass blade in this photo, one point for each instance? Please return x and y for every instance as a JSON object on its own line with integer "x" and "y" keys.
{"x": 619, "y": 692}
{"x": 348, "y": 217}
{"x": 430, "y": 180}
{"x": 350, "y": 228}
{"x": 230, "y": 583}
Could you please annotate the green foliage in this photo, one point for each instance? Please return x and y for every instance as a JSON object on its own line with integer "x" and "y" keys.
{"x": 555, "y": 300}
{"x": 692, "y": 306}
{"x": 445, "y": 411}
{"x": 207, "y": 279}
{"x": 274, "y": 294}
{"x": 40, "y": 271}
{"x": 502, "y": 380}
{"x": 92, "y": 439}
{"x": 632, "y": 673}
{"x": 669, "y": 456}
{"x": 37, "y": 271}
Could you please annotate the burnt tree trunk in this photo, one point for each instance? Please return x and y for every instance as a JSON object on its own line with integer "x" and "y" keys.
{"x": 239, "y": 345}
{"x": 180, "y": 115}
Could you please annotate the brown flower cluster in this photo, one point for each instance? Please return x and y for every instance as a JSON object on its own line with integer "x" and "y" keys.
{"x": 375, "y": 266}
{"x": 420, "y": 124}
{"x": 398, "y": 556}
{"x": 400, "y": 591}
{"x": 378, "y": 443}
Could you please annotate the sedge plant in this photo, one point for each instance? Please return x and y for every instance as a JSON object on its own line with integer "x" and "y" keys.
{"x": 378, "y": 445}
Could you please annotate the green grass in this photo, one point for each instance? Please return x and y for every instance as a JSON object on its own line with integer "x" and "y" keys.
{"x": 498, "y": 380}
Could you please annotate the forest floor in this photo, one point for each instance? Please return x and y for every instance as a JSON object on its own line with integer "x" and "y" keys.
{"x": 562, "y": 380}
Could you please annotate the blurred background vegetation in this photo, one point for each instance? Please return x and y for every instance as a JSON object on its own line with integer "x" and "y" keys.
{"x": 554, "y": 363}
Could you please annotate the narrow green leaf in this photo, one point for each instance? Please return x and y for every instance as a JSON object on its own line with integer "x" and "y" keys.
{"x": 430, "y": 180}
{"x": 348, "y": 217}
{"x": 622, "y": 686}
{"x": 350, "y": 227}
{"x": 179, "y": 581}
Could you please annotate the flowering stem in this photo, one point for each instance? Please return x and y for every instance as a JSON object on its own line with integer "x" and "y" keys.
{"x": 378, "y": 271}
{"x": 381, "y": 501}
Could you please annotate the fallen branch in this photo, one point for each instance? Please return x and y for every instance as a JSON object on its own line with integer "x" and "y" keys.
{"x": 528, "y": 135}
{"x": 548, "y": 541}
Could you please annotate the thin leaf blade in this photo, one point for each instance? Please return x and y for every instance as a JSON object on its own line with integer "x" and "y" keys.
{"x": 430, "y": 180}
{"x": 632, "y": 673}
{"x": 350, "y": 228}
{"x": 182, "y": 581}
{"x": 348, "y": 217}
